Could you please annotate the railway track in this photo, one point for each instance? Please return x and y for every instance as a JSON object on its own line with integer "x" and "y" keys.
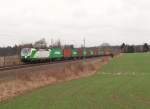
{"x": 11, "y": 72}
{"x": 20, "y": 66}
{"x": 38, "y": 64}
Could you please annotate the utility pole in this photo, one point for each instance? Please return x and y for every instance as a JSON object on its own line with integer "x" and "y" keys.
{"x": 52, "y": 42}
{"x": 4, "y": 61}
{"x": 84, "y": 46}
{"x": 84, "y": 42}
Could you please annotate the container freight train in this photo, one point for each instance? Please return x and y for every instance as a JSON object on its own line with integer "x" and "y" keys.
{"x": 55, "y": 54}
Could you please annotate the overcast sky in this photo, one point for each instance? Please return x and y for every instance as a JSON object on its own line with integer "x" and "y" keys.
{"x": 112, "y": 21}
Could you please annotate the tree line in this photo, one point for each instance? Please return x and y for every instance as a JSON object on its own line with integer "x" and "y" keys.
{"x": 15, "y": 50}
{"x": 125, "y": 48}
{"x": 7, "y": 51}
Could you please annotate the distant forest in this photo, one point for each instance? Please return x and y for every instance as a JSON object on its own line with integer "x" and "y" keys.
{"x": 15, "y": 50}
{"x": 8, "y": 51}
{"x": 125, "y": 48}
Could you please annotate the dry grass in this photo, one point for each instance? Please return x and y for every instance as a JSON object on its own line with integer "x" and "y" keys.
{"x": 28, "y": 81}
{"x": 9, "y": 60}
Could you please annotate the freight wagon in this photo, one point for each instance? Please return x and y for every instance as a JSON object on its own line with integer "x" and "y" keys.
{"x": 75, "y": 53}
{"x": 67, "y": 53}
{"x": 55, "y": 54}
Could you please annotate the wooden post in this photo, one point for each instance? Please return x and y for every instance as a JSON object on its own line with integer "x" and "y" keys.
{"x": 4, "y": 61}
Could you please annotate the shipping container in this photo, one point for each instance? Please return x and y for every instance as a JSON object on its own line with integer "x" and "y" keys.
{"x": 107, "y": 51}
{"x": 56, "y": 53}
{"x": 91, "y": 52}
{"x": 79, "y": 50}
{"x": 74, "y": 53}
{"x": 67, "y": 53}
{"x": 84, "y": 53}
{"x": 95, "y": 50}
{"x": 101, "y": 52}
{"x": 88, "y": 54}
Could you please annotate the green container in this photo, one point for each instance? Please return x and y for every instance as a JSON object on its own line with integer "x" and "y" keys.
{"x": 56, "y": 53}
{"x": 101, "y": 52}
{"x": 84, "y": 52}
{"x": 91, "y": 53}
{"x": 74, "y": 52}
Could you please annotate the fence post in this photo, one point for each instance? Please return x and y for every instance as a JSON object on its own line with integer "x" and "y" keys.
{"x": 4, "y": 61}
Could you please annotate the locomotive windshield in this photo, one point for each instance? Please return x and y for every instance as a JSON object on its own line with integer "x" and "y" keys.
{"x": 25, "y": 51}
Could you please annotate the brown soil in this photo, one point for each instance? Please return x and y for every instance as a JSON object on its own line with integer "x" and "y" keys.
{"x": 115, "y": 97}
{"x": 31, "y": 78}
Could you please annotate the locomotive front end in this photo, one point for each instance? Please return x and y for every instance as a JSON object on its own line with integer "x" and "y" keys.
{"x": 25, "y": 54}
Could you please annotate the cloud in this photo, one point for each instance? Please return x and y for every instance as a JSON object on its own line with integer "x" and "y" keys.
{"x": 70, "y": 20}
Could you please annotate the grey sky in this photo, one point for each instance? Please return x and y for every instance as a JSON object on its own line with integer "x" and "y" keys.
{"x": 112, "y": 21}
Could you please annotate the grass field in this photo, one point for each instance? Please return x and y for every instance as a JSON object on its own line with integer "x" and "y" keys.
{"x": 124, "y": 83}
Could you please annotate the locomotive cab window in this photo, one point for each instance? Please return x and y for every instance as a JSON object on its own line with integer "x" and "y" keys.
{"x": 25, "y": 51}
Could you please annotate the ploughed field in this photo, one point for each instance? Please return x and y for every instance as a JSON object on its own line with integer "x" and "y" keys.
{"x": 124, "y": 83}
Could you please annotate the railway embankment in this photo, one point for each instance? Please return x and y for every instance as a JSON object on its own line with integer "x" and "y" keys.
{"x": 27, "y": 79}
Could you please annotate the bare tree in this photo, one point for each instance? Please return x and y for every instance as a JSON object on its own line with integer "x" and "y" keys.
{"x": 69, "y": 46}
{"x": 40, "y": 44}
{"x": 57, "y": 44}
{"x": 123, "y": 47}
{"x": 145, "y": 47}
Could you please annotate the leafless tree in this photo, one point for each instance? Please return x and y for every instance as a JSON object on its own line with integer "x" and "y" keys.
{"x": 40, "y": 44}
